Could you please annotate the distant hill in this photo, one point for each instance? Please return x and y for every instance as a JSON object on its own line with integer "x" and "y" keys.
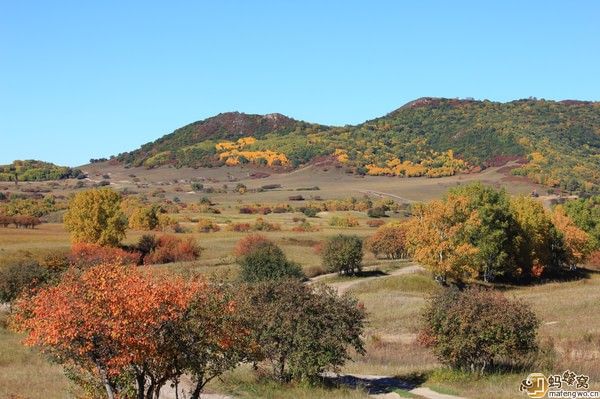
{"x": 32, "y": 170}
{"x": 553, "y": 143}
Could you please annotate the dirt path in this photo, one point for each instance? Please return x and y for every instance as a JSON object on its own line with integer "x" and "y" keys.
{"x": 344, "y": 286}
{"x": 382, "y": 194}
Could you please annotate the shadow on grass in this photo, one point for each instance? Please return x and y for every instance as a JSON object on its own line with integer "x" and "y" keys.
{"x": 374, "y": 384}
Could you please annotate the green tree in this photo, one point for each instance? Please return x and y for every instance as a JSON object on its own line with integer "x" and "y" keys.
{"x": 497, "y": 234}
{"x": 95, "y": 216}
{"x": 302, "y": 330}
{"x": 267, "y": 262}
{"x": 477, "y": 329}
{"x": 343, "y": 254}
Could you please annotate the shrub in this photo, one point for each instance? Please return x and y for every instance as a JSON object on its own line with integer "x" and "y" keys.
{"x": 262, "y": 225}
{"x": 207, "y": 225}
{"x": 389, "y": 241}
{"x": 267, "y": 262}
{"x": 296, "y": 198}
{"x": 17, "y": 277}
{"x": 305, "y": 227}
{"x": 343, "y": 221}
{"x": 249, "y": 243}
{"x": 478, "y": 328}
{"x": 239, "y": 227}
{"x": 197, "y": 186}
{"x": 145, "y": 245}
{"x": 310, "y": 212}
{"x": 343, "y": 254}
{"x": 375, "y": 223}
{"x": 303, "y": 330}
{"x": 377, "y": 212}
{"x": 87, "y": 255}
{"x": 173, "y": 249}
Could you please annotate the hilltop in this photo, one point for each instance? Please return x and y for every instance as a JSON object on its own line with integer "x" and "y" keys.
{"x": 555, "y": 143}
{"x": 33, "y": 170}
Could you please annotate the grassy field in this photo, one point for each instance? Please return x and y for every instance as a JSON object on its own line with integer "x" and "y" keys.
{"x": 393, "y": 302}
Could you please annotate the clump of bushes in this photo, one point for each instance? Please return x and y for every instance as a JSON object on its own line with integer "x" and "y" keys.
{"x": 248, "y": 244}
{"x": 239, "y": 227}
{"x": 377, "y": 212}
{"x": 390, "y": 241}
{"x": 305, "y": 227}
{"x": 478, "y": 329}
{"x": 169, "y": 249}
{"x": 375, "y": 223}
{"x": 207, "y": 226}
{"x": 24, "y": 221}
{"x": 88, "y": 254}
{"x": 17, "y": 277}
{"x": 262, "y": 225}
{"x": 343, "y": 221}
{"x": 343, "y": 254}
{"x": 266, "y": 261}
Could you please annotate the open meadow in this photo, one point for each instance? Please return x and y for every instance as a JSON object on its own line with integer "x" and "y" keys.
{"x": 392, "y": 291}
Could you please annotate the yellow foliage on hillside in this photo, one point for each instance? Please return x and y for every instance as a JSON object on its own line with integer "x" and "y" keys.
{"x": 440, "y": 164}
{"x": 232, "y": 153}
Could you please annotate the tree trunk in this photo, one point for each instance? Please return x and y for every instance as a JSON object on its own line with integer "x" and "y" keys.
{"x": 110, "y": 393}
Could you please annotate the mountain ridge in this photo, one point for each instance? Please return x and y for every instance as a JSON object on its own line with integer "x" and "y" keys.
{"x": 558, "y": 141}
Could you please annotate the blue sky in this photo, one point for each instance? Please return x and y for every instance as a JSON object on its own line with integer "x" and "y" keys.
{"x": 90, "y": 79}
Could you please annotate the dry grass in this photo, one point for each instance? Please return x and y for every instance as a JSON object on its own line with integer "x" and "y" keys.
{"x": 25, "y": 373}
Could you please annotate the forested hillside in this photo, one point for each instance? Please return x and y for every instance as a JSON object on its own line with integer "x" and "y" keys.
{"x": 32, "y": 170}
{"x": 554, "y": 143}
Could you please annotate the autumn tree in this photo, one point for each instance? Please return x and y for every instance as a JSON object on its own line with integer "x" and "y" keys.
{"x": 497, "y": 235}
{"x": 389, "y": 240}
{"x": 145, "y": 217}
{"x": 577, "y": 243}
{"x": 438, "y": 238}
{"x": 541, "y": 249}
{"x": 107, "y": 321}
{"x": 95, "y": 216}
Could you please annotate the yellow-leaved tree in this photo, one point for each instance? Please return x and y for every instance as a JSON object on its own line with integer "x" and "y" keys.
{"x": 437, "y": 236}
{"x": 95, "y": 216}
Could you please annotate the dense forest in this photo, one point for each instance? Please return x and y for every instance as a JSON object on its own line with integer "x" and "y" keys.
{"x": 31, "y": 170}
{"x": 553, "y": 143}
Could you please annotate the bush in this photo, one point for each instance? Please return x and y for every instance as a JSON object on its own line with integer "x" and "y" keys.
{"x": 302, "y": 330}
{"x": 477, "y": 329}
{"x": 239, "y": 227}
{"x": 378, "y": 212}
{"x": 17, "y": 277}
{"x": 173, "y": 249}
{"x": 86, "y": 255}
{"x": 267, "y": 262}
{"x": 262, "y": 225}
{"x": 197, "y": 186}
{"x": 249, "y": 243}
{"x": 207, "y": 225}
{"x": 305, "y": 227}
{"x": 343, "y": 254}
{"x": 375, "y": 223}
{"x": 389, "y": 241}
{"x": 343, "y": 221}
{"x": 310, "y": 212}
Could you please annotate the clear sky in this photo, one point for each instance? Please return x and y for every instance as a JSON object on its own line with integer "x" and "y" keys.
{"x": 82, "y": 79}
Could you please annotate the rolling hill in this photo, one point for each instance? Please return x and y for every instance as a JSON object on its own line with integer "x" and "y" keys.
{"x": 556, "y": 143}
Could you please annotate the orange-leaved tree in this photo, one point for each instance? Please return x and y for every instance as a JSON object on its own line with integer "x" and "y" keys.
{"x": 107, "y": 321}
{"x": 576, "y": 241}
